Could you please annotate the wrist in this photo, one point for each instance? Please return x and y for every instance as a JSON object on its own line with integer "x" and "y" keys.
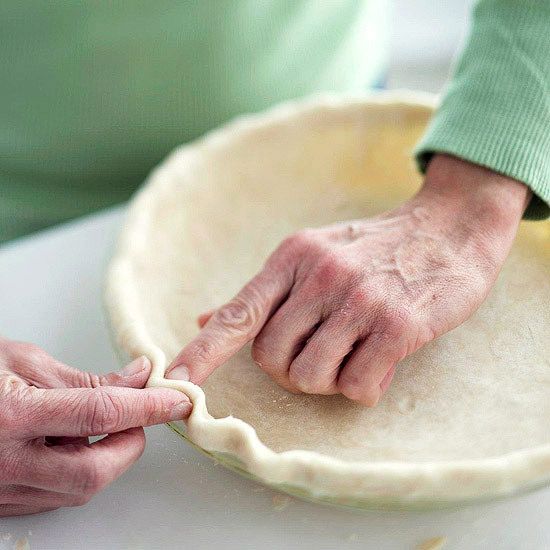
{"x": 474, "y": 195}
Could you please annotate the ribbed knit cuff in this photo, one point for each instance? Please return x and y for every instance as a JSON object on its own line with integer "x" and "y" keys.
{"x": 496, "y": 111}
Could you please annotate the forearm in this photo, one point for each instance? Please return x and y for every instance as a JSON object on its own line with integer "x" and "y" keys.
{"x": 496, "y": 112}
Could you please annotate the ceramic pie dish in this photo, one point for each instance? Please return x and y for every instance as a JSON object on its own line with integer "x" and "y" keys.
{"x": 467, "y": 416}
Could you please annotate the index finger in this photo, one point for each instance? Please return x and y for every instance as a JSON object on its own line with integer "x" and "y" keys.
{"x": 234, "y": 324}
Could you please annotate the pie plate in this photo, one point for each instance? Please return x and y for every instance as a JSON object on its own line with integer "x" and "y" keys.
{"x": 467, "y": 417}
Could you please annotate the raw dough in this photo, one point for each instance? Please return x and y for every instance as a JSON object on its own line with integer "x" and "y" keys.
{"x": 467, "y": 416}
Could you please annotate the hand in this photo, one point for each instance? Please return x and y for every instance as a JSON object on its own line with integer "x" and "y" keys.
{"x": 335, "y": 309}
{"x": 47, "y": 412}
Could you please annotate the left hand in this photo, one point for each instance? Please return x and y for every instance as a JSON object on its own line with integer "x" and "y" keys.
{"x": 47, "y": 412}
{"x": 335, "y": 309}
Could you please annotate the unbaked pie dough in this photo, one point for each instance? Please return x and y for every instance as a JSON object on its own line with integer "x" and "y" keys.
{"x": 467, "y": 416}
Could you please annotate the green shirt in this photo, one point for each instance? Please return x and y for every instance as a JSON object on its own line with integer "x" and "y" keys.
{"x": 496, "y": 110}
{"x": 94, "y": 94}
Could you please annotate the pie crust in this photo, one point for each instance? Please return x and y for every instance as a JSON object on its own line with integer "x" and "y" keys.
{"x": 467, "y": 417}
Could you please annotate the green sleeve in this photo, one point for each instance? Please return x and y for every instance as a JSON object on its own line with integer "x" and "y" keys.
{"x": 496, "y": 110}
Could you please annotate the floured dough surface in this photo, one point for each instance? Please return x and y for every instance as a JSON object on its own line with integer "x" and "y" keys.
{"x": 482, "y": 390}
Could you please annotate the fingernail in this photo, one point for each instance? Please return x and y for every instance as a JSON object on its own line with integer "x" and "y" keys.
{"x": 180, "y": 411}
{"x": 179, "y": 373}
{"x": 135, "y": 367}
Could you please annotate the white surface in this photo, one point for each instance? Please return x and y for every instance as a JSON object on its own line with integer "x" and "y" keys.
{"x": 50, "y": 293}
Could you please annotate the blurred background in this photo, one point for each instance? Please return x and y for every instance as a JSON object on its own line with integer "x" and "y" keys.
{"x": 426, "y": 37}
{"x": 113, "y": 93}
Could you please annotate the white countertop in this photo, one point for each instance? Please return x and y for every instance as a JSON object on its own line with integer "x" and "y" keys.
{"x": 50, "y": 294}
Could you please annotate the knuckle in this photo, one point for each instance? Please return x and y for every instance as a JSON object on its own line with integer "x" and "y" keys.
{"x": 396, "y": 321}
{"x": 238, "y": 314}
{"x": 300, "y": 239}
{"x": 102, "y": 415}
{"x": 333, "y": 267}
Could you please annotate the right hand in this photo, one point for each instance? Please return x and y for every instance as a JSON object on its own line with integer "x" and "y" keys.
{"x": 47, "y": 412}
{"x": 336, "y": 308}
